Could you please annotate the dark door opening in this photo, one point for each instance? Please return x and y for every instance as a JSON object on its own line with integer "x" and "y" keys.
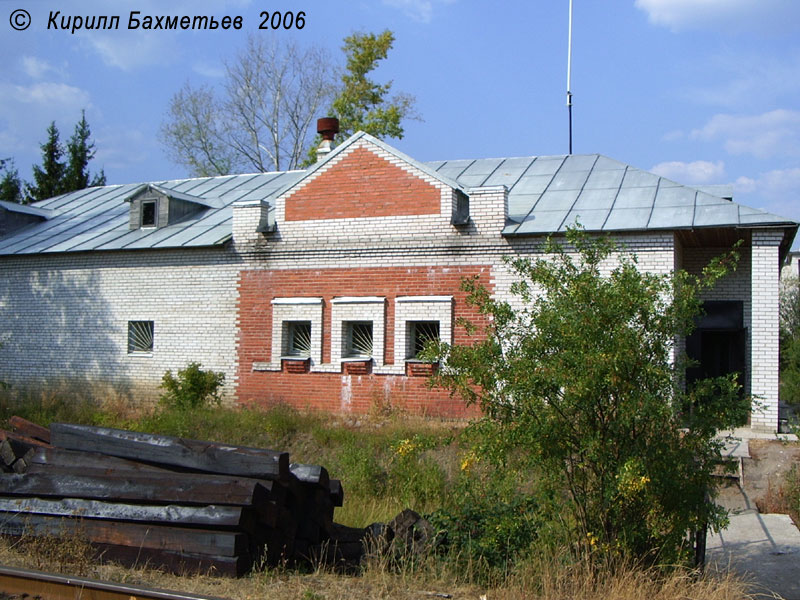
{"x": 717, "y": 346}
{"x": 716, "y": 353}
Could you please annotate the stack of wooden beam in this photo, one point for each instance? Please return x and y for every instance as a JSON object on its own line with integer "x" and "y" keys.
{"x": 173, "y": 503}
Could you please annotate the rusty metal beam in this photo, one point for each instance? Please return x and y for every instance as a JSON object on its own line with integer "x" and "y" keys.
{"x": 50, "y": 586}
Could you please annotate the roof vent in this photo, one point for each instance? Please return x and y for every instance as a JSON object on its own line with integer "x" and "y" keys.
{"x": 327, "y": 127}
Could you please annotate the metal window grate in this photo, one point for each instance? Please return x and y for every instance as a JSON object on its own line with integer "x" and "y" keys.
{"x": 299, "y": 339}
{"x": 359, "y": 339}
{"x": 423, "y": 332}
{"x": 140, "y": 336}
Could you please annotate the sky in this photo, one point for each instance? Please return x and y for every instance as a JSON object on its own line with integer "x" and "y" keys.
{"x": 699, "y": 91}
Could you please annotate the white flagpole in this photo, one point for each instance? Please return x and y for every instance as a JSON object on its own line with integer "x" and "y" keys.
{"x": 569, "y": 76}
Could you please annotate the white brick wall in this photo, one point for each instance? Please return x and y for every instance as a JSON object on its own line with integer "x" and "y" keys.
{"x": 765, "y": 277}
{"x": 65, "y": 316}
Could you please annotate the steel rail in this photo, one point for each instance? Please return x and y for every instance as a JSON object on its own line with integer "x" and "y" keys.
{"x": 15, "y": 582}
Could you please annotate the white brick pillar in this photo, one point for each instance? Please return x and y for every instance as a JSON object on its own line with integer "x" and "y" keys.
{"x": 488, "y": 209}
{"x": 765, "y": 280}
{"x": 250, "y": 219}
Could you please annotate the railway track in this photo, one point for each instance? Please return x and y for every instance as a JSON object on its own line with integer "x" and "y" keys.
{"x": 23, "y": 583}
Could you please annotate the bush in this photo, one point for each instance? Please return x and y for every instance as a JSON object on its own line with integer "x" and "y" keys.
{"x": 578, "y": 381}
{"x": 487, "y": 529}
{"x": 192, "y": 388}
{"x": 790, "y": 341}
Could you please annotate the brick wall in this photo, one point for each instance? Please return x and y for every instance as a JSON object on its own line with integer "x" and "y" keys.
{"x": 363, "y": 191}
{"x": 362, "y": 184}
{"x": 325, "y": 387}
{"x": 65, "y": 316}
{"x": 765, "y": 278}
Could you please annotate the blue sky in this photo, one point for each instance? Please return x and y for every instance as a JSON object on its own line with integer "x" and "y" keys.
{"x": 701, "y": 91}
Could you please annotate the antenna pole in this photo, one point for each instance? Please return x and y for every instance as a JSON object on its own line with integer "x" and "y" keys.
{"x": 569, "y": 76}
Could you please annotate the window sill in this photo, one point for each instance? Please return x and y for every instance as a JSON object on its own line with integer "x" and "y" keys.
{"x": 357, "y": 366}
{"x": 420, "y": 368}
{"x": 295, "y": 364}
{"x": 140, "y": 354}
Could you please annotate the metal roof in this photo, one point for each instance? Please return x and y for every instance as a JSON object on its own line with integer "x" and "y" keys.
{"x": 25, "y": 209}
{"x": 99, "y": 218}
{"x": 546, "y": 194}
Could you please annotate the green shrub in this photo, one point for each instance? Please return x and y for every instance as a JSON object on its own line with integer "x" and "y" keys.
{"x": 577, "y": 379}
{"x": 489, "y": 526}
{"x": 192, "y": 388}
{"x": 413, "y": 477}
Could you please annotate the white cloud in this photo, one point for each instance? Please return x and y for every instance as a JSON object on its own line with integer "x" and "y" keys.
{"x": 36, "y": 68}
{"x": 132, "y": 50}
{"x": 697, "y": 172}
{"x": 212, "y": 71}
{"x": 723, "y": 15}
{"x": 45, "y": 94}
{"x": 776, "y": 191}
{"x": 26, "y": 111}
{"x": 419, "y": 10}
{"x": 774, "y": 133}
{"x": 739, "y": 77}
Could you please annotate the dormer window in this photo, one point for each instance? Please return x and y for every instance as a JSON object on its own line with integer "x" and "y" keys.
{"x": 154, "y": 207}
{"x": 149, "y": 213}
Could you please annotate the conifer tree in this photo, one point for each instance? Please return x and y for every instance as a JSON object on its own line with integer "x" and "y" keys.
{"x": 48, "y": 179}
{"x": 64, "y": 171}
{"x": 10, "y": 184}
{"x": 80, "y": 151}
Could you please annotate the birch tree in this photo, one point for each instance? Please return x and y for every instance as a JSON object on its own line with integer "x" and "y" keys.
{"x": 262, "y": 118}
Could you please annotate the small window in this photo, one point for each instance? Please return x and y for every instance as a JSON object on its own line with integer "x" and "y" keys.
{"x": 140, "y": 337}
{"x": 419, "y": 333}
{"x": 149, "y": 213}
{"x": 298, "y": 339}
{"x": 358, "y": 339}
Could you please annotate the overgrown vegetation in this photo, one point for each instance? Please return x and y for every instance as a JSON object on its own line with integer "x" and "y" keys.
{"x": 790, "y": 342}
{"x": 193, "y": 388}
{"x": 783, "y": 495}
{"x": 499, "y": 543}
{"x": 591, "y": 463}
{"x": 580, "y": 390}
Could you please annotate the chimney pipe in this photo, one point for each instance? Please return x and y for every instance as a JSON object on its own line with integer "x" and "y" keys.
{"x": 327, "y": 127}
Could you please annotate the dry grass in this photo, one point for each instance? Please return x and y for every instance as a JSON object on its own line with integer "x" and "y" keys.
{"x": 309, "y": 438}
{"x": 783, "y": 496}
{"x": 546, "y": 579}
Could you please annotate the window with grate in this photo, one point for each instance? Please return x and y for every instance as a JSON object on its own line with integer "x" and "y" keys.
{"x": 358, "y": 339}
{"x": 419, "y": 334}
{"x": 140, "y": 337}
{"x": 149, "y": 213}
{"x": 298, "y": 339}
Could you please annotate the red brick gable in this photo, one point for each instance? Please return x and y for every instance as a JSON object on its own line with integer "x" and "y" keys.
{"x": 363, "y": 184}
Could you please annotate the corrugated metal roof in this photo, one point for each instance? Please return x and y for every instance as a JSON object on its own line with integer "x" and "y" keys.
{"x": 546, "y": 195}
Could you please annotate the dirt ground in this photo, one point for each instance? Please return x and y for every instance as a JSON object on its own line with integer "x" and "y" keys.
{"x": 762, "y": 477}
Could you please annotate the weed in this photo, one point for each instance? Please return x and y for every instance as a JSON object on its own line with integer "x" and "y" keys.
{"x": 783, "y": 497}
{"x": 66, "y": 550}
{"x": 193, "y": 388}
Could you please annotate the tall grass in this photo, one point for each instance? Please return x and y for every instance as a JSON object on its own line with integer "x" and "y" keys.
{"x": 386, "y": 464}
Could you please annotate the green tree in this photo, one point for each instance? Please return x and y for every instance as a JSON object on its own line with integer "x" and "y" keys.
{"x": 64, "y": 171}
{"x": 48, "y": 179}
{"x": 790, "y": 341}
{"x": 11, "y": 189}
{"x": 577, "y": 381}
{"x": 363, "y": 104}
{"x": 80, "y": 151}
